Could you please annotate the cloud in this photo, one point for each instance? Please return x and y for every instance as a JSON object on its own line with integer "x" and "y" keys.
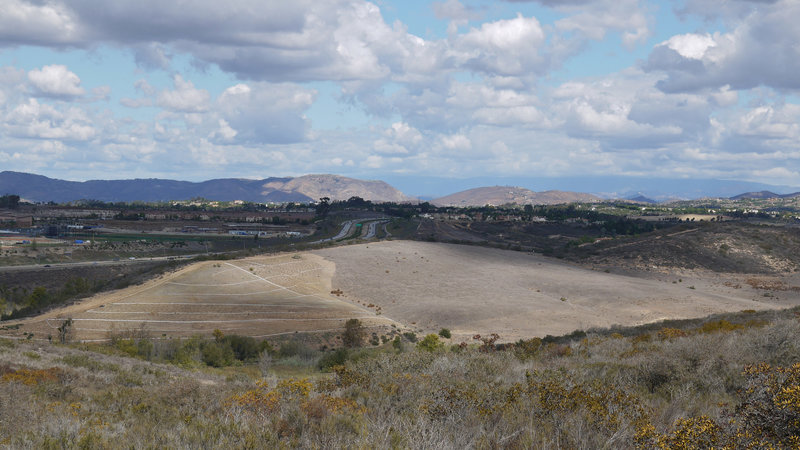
{"x": 184, "y": 98}
{"x": 503, "y": 47}
{"x": 152, "y": 56}
{"x": 593, "y": 19}
{"x": 55, "y": 81}
{"x": 41, "y": 121}
{"x": 265, "y": 112}
{"x": 37, "y": 23}
{"x": 456, "y": 12}
{"x": 760, "y": 49}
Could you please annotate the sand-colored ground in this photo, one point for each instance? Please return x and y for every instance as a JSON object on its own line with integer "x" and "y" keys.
{"x": 425, "y": 286}
{"x": 264, "y": 296}
{"x": 475, "y": 290}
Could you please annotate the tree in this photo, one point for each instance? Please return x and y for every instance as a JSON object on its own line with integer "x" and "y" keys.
{"x": 353, "y": 333}
{"x": 323, "y": 207}
{"x": 64, "y": 331}
{"x": 9, "y": 201}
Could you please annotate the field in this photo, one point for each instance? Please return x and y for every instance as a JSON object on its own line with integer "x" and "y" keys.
{"x": 423, "y": 286}
{"x": 260, "y": 297}
{"x": 476, "y": 290}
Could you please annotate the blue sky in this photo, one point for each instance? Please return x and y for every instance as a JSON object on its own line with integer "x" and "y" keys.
{"x": 685, "y": 89}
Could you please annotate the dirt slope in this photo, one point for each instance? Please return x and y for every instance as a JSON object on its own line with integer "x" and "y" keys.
{"x": 478, "y": 290}
{"x": 263, "y": 296}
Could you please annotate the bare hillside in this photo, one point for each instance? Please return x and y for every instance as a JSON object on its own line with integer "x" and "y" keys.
{"x": 501, "y": 195}
{"x": 475, "y": 290}
{"x": 338, "y": 188}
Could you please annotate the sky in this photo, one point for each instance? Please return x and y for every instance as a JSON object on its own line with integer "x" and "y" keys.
{"x": 194, "y": 90}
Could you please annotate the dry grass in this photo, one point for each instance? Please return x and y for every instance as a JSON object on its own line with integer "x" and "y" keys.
{"x": 607, "y": 391}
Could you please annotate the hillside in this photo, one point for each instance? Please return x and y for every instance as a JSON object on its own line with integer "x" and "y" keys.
{"x": 39, "y": 188}
{"x": 763, "y": 195}
{"x": 501, "y": 195}
{"x": 723, "y": 382}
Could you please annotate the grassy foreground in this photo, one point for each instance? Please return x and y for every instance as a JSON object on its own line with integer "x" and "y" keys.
{"x": 730, "y": 382}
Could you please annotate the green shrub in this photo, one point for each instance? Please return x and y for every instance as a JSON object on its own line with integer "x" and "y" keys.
{"x": 217, "y": 354}
{"x": 445, "y": 333}
{"x": 245, "y": 348}
{"x": 430, "y": 343}
{"x": 353, "y": 335}
{"x": 335, "y": 358}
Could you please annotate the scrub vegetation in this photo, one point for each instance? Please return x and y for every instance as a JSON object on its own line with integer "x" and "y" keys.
{"x": 729, "y": 381}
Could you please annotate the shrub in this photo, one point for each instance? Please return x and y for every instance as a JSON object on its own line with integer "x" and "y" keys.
{"x": 335, "y": 358}
{"x": 245, "y": 348}
{"x": 430, "y": 343}
{"x": 410, "y": 336}
{"x": 217, "y": 354}
{"x": 354, "y": 333}
{"x": 445, "y": 333}
{"x": 525, "y": 349}
{"x": 397, "y": 343}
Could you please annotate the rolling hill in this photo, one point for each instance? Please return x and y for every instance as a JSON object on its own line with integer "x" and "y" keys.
{"x": 500, "y": 195}
{"x": 762, "y": 195}
{"x": 300, "y": 189}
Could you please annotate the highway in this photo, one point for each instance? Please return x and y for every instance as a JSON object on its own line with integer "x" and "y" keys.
{"x": 349, "y": 228}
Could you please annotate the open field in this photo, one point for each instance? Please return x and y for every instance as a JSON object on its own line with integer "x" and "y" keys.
{"x": 424, "y": 286}
{"x": 263, "y": 296}
{"x": 476, "y": 290}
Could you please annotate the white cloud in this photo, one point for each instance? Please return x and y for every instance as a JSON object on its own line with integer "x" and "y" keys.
{"x": 36, "y": 23}
{"x": 224, "y": 133}
{"x": 42, "y": 121}
{"x": 760, "y": 49}
{"x": 55, "y": 81}
{"x": 503, "y": 47}
{"x": 184, "y": 98}
{"x": 456, "y": 142}
{"x": 692, "y": 46}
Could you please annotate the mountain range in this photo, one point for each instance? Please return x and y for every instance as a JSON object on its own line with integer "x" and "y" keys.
{"x": 762, "y": 195}
{"x": 38, "y": 188}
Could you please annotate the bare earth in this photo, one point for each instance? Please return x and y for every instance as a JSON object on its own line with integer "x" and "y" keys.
{"x": 424, "y": 286}
{"x": 475, "y": 290}
{"x": 263, "y": 296}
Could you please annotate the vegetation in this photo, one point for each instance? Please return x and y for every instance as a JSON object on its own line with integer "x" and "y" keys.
{"x": 718, "y": 383}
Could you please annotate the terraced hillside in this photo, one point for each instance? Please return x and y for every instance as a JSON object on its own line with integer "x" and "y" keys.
{"x": 264, "y": 296}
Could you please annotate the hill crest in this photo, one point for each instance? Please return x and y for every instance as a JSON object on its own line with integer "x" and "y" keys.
{"x": 501, "y": 195}
{"x": 306, "y": 188}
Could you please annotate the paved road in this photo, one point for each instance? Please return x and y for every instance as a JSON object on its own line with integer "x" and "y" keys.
{"x": 349, "y": 228}
{"x": 372, "y": 228}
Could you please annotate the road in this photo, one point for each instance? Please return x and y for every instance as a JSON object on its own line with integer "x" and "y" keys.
{"x": 372, "y": 228}
{"x": 95, "y": 263}
{"x": 349, "y": 228}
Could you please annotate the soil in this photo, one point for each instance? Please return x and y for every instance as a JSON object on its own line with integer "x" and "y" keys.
{"x": 476, "y": 290}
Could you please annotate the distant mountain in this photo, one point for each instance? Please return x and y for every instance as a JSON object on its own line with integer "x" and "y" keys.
{"x": 641, "y": 199}
{"x": 501, "y": 195}
{"x": 761, "y": 195}
{"x": 612, "y": 187}
{"x": 301, "y": 189}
